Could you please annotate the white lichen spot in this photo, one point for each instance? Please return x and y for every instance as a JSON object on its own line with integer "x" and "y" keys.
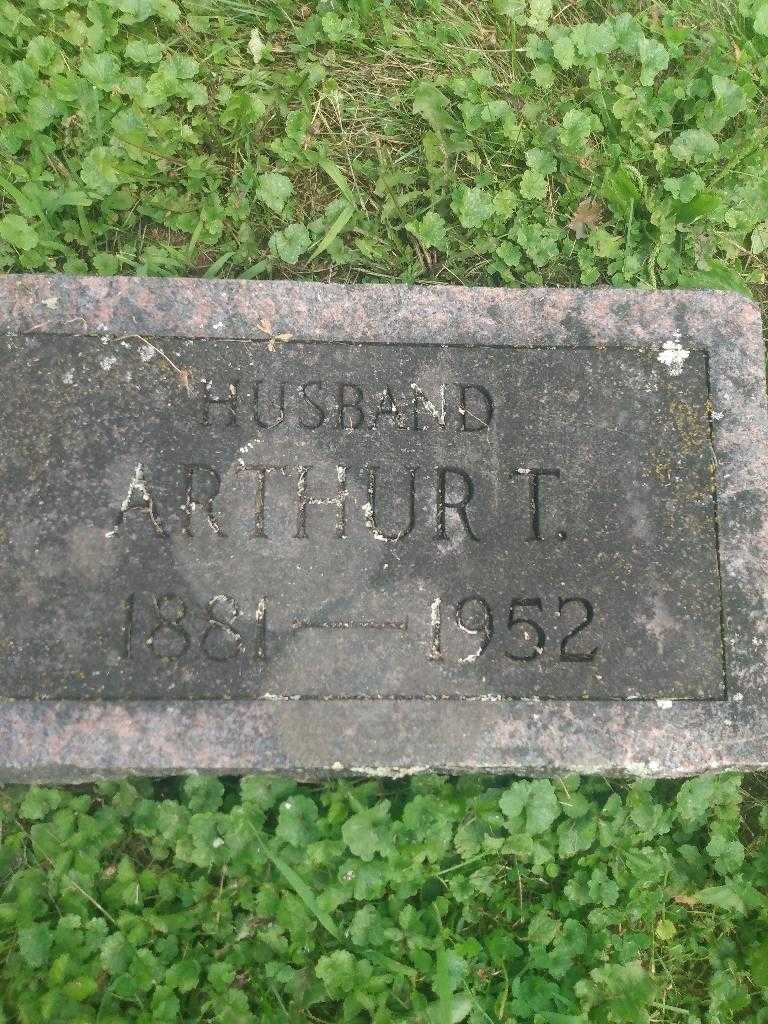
{"x": 435, "y": 651}
{"x": 370, "y": 521}
{"x": 218, "y": 326}
{"x": 673, "y": 355}
{"x": 51, "y": 302}
{"x": 146, "y": 352}
{"x": 108, "y": 362}
{"x": 388, "y": 772}
{"x": 68, "y": 377}
{"x": 665, "y": 704}
{"x": 437, "y": 415}
{"x": 737, "y": 697}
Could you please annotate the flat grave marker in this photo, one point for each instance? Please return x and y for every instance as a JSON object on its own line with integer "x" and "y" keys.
{"x": 377, "y": 529}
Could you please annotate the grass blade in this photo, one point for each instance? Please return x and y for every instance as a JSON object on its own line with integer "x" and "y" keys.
{"x": 300, "y": 887}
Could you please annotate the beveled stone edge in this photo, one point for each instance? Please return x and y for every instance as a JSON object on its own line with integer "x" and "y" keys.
{"x": 194, "y": 307}
{"x": 71, "y": 741}
{"x": 662, "y": 738}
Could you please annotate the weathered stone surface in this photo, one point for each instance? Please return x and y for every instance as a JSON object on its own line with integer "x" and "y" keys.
{"x": 313, "y": 528}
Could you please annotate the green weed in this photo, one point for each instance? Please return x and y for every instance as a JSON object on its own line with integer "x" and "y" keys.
{"x": 426, "y": 901}
{"x": 488, "y": 142}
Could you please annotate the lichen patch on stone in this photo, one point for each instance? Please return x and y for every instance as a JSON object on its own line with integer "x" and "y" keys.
{"x": 673, "y": 355}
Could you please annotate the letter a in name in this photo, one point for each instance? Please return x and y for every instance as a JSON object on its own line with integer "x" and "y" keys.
{"x": 143, "y": 502}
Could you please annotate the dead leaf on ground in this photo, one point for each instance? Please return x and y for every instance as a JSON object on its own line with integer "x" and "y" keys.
{"x": 277, "y": 340}
{"x": 185, "y": 380}
{"x": 685, "y": 901}
{"x": 588, "y": 214}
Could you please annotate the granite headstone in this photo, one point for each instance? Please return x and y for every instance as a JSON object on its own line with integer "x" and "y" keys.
{"x": 374, "y": 529}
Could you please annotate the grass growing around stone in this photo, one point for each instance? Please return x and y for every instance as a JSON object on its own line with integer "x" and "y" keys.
{"x": 427, "y": 901}
{"x": 502, "y": 143}
{"x": 486, "y": 142}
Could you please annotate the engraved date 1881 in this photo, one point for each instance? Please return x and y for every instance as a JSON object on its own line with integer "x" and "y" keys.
{"x": 170, "y": 633}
